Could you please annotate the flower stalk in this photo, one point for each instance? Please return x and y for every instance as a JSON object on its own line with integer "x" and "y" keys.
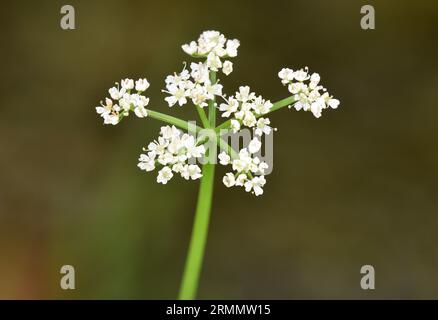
{"x": 195, "y": 256}
{"x": 183, "y": 124}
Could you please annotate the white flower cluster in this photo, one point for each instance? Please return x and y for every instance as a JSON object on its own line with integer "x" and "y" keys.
{"x": 212, "y": 41}
{"x": 246, "y": 109}
{"x": 125, "y": 101}
{"x": 308, "y": 95}
{"x": 194, "y": 85}
{"x": 244, "y": 167}
{"x": 176, "y": 152}
{"x": 214, "y": 46}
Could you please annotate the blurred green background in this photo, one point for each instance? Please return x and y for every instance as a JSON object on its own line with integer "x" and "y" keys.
{"x": 358, "y": 186}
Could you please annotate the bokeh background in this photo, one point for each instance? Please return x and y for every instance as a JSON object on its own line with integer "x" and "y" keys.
{"x": 358, "y": 186}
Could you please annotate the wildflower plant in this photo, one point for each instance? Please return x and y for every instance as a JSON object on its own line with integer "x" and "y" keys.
{"x": 191, "y": 151}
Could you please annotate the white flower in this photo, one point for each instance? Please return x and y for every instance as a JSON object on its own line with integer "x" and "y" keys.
{"x": 227, "y": 67}
{"x": 231, "y": 48}
{"x": 229, "y": 108}
{"x": 109, "y": 112}
{"x": 141, "y": 85}
{"x": 209, "y": 41}
{"x": 286, "y": 75}
{"x": 191, "y": 48}
{"x": 256, "y": 185}
{"x": 166, "y": 158}
{"x": 249, "y": 119}
{"x": 147, "y": 162}
{"x": 173, "y": 148}
{"x": 224, "y": 158}
{"x": 191, "y": 172}
{"x": 178, "y": 95}
{"x": 235, "y": 125}
{"x": 245, "y": 94}
{"x": 140, "y": 112}
{"x": 314, "y": 81}
{"x": 102, "y": 111}
{"x": 111, "y": 119}
{"x": 199, "y": 72}
{"x": 241, "y": 178}
{"x": 301, "y": 75}
{"x": 169, "y": 132}
{"x": 219, "y": 51}
{"x": 164, "y": 175}
{"x": 192, "y": 150}
{"x": 334, "y": 103}
{"x": 243, "y": 163}
{"x": 263, "y": 127}
{"x": 213, "y": 62}
{"x": 177, "y": 79}
{"x": 262, "y": 167}
{"x": 127, "y": 84}
{"x": 240, "y": 165}
{"x": 199, "y": 96}
{"x": 159, "y": 147}
{"x": 317, "y": 106}
{"x": 105, "y": 109}
{"x": 178, "y": 167}
{"x": 261, "y": 106}
{"x": 116, "y": 94}
{"x": 254, "y": 146}
{"x": 229, "y": 180}
{"x": 125, "y": 102}
{"x": 138, "y": 100}
{"x": 296, "y": 87}
{"x": 213, "y": 90}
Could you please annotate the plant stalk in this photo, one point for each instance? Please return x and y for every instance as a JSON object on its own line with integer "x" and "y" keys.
{"x": 198, "y": 240}
{"x": 183, "y": 124}
{"x": 211, "y": 103}
{"x": 195, "y": 256}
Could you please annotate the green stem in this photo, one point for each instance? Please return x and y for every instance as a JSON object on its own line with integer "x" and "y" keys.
{"x": 195, "y": 255}
{"x": 223, "y": 125}
{"x": 211, "y": 103}
{"x": 203, "y": 117}
{"x": 281, "y": 104}
{"x": 175, "y": 121}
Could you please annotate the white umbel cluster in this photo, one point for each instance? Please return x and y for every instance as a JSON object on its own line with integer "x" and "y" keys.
{"x": 123, "y": 100}
{"x": 194, "y": 85}
{"x": 246, "y": 109}
{"x": 176, "y": 152}
{"x": 248, "y": 169}
{"x": 308, "y": 94}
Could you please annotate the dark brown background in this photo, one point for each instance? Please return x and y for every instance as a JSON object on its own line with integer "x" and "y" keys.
{"x": 358, "y": 186}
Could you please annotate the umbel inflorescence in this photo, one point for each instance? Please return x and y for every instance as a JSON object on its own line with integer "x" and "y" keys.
{"x": 177, "y": 150}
